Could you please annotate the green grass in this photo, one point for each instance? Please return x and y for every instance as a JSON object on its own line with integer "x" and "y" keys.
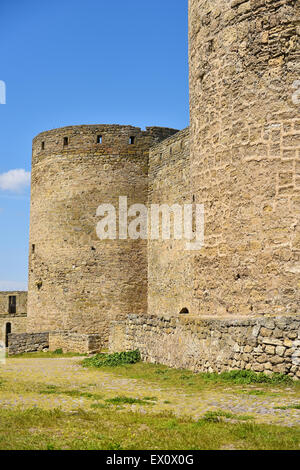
{"x": 249, "y": 377}
{"x": 100, "y": 405}
{"x": 112, "y": 360}
{"x": 167, "y": 377}
{"x": 128, "y": 400}
{"x": 296, "y": 406}
{"x": 216, "y": 416}
{"x": 45, "y": 355}
{"x": 53, "y": 389}
{"x": 102, "y": 428}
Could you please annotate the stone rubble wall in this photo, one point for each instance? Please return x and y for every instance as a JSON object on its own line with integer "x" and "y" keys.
{"x": 27, "y": 342}
{"x": 261, "y": 344}
{"x": 75, "y": 342}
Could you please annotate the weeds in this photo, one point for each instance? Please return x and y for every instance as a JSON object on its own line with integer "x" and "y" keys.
{"x": 296, "y": 406}
{"x": 128, "y": 400}
{"x": 112, "y": 360}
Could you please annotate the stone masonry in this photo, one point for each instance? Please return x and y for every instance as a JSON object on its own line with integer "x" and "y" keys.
{"x": 75, "y": 342}
{"x": 12, "y": 320}
{"x": 266, "y": 344}
{"x": 245, "y": 161}
{"x": 232, "y": 304}
{"x": 78, "y": 282}
{"x": 27, "y": 342}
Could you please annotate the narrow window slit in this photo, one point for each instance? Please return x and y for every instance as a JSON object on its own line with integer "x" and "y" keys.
{"x": 12, "y": 304}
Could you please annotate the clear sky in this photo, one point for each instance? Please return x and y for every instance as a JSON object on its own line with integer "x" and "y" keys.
{"x": 68, "y": 62}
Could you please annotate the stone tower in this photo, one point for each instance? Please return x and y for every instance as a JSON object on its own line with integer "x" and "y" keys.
{"x": 78, "y": 282}
{"x": 245, "y": 154}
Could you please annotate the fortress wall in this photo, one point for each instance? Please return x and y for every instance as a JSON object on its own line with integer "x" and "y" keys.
{"x": 245, "y": 160}
{"x": 17, "y": 320}
{"x": 169, "y": 276}
{"x": 21, "y": 301}
{"x": 78, "y": 282}
{"x": 18, "y": 324}
{"x": 269, "y": 345}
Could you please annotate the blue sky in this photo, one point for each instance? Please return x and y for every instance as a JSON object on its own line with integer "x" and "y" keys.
{"x": 68, "y": 62}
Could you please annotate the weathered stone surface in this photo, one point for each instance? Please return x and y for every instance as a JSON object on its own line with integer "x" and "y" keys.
{"x": 240, "y": 159}
{"x": 75, "y": 342}
{"x": 245, "y": 143}
{"x": 192, "y": 344}
{"x": 16, "y": 320}
{"x": 27, "y": 342}
{"x": 76, "y": 280}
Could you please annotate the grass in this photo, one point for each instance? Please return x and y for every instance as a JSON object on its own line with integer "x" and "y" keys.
{"x": 166, "y": 377}
{"x": 112, "y": 360}
{"x": 103, "y": 428}
{"x": 45, "y": 355}
{"x": 53, "y": 389}
{"x": 108, "y": 422}
{"x": 296, "y": 406}
{"x": 128, "y": 400}
{"x": 216, "y": 416}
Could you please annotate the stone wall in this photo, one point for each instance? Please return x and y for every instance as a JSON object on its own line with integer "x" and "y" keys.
{"x": 75, "y": 342}
{"x": 17, "y": 324}
{"x": 245, "y": 161}
{"x": 263, "y": 344}
{"x": 169, "y": 274}
{"x": 16, "y": 321}
{"x": 27, "y": 342}
{"x": 21, "y": 302}
{"x": 78, "y": 282}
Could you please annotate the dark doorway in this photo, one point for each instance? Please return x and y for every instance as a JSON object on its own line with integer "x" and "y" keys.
{"x": 12, "y": 304}
{"x": 184, "y": 311}
{"x": 7, "y": 332}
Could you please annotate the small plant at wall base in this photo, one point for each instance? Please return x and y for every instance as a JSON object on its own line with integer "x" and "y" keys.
{"x": 58, "y": 351}
{"x": 112, "y": 360}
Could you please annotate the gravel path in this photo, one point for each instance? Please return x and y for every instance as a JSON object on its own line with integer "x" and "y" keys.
{"x": 24, "y": 379}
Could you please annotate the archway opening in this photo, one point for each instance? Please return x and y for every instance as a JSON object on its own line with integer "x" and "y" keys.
{"x": 184, "y": 311}
{"x": 7, "y": 332}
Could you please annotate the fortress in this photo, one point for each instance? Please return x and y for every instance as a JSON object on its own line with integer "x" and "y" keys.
{"x": 232, "y": 304}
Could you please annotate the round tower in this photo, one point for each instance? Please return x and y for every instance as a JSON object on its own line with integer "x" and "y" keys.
{"x": 78, "y": 282}
{"x": 245, "y": 144}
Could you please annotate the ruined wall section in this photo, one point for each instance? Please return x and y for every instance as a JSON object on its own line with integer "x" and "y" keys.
{"x": 78, "y": 282}
{"x": 27, "y": 342}
{"x": 245, "y": 161}
{"x": 16, "y": 320}
{"x": 169, "y": 275}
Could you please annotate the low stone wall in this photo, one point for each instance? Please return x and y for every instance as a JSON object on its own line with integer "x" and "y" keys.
{"x": 27, "y": 342}
{"x": 264, "y": 344}
{"x": 75, "y": 342}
